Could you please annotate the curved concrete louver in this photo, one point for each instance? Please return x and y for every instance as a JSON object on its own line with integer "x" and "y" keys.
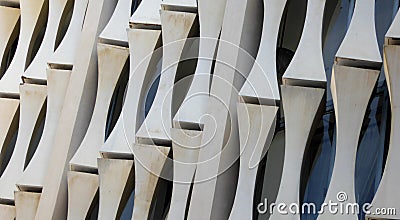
{"x": 63, "y": 57}
{"x": 194, "y": 105}
{"x": 176, "y": 27}
{"x": 37, "y": 69}
{"x": 262, "y": 84}
{"x": 308, "y": 101}
{"x": 387, "y": 194}
{"x": 361, "y": 32}
{"x": 349, "y": 103}
{"x": 115, "y": 31}
{"x": 8, "y": 30}
{"x": 149, "y": 161}
{"x": 111, "y": 62}
{"x": 257, "y": 128}
{"x": 30, "y": 11}
{"x": 34, "y": 174}
{"x": 185, "y": 148}
{"x": 300, "y": 71}
{"x": 147, "y": 14}
{"x": 8, "y": 123}
{"x": 116, "y": 179}
{"x": 32, "y": 100}
{"x": 142, "y": 43}
{"x": 76, "y": 113}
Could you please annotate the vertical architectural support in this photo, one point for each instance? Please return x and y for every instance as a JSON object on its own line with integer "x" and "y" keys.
{"x": 306, "y": 102}
{"x": 185, "y": 147}
{"x": 149, "y": 161}
{"x": 111, "y": 62}
{"x": 176, "y": 27}
{"x": 257, "y": 127}
{"x": 116, "y": 183}
{"x": 351, "y": 90}
{"x": 76, "y": 113}
{"x": 261, "y": 84}
{"x": 63, "y": 57}
{"x": 387, "y": 195}
{"x": 37, "y": 69}
{"x": 8, "y": 123}
{"x": 26, "y": 205}
{"x": 9, "y": 32}
{"x": 216, "y": 172}
{"x": 34, "y": 174}
{"x": 82, "y": 188}
{"x": 257, "y": 122}
{"x": 30, "y": 18}
{"x": 32, "y": 100}
{"x": 303, "y": 94}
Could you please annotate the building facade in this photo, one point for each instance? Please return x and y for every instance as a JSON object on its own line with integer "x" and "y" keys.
{"x": 199, "y": 109}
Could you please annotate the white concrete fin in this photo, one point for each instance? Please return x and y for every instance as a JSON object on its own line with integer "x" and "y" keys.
{"x": 307, "y": 66}
{"x": 176, "y": 27}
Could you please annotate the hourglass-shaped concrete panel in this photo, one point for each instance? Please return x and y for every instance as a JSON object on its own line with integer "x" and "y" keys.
{"x": 111, "y": 62}
{"x": 34, "y": 174}
{"x": 351, "y": 90}
{"x": 32, "y": 100}
{"x": 63, "y": 57}
{"x": 30, "y": 11}
{"x": 361, "y": 32}
{"x": 115, "y": 31}
{"x": 309, "y": 103}
{"x": 176, "y": 27}
{"x": 193, "y": 107}
{"x": 307, "y": 66}
{"x": 142, "y": 43}
{"x": 262, "y": 81}
{"x": 257, "y": 128}
{"x": 37, "y": 69}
